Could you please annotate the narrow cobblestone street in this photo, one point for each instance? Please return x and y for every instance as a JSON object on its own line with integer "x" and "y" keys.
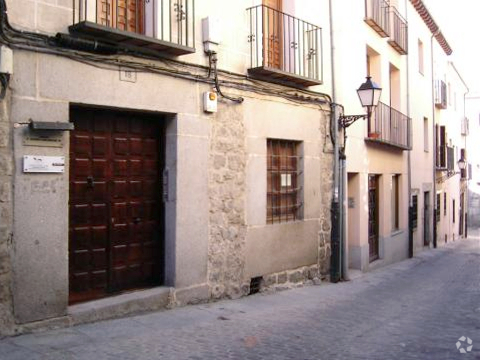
{"x": 416, "y": 309}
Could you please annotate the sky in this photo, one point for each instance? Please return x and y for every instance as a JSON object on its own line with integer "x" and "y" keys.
{"x": 459, "y": 22}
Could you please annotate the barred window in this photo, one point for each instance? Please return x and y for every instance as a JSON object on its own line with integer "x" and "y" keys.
{"x": 414, "y": 211}
{"x": 283, "y": 185}
{"x": 437, "y": 210}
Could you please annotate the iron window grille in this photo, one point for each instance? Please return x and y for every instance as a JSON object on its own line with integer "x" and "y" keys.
{"x": 437, "y": 209}
{"x": 283, "y": 181}
{"x": 414, "y": 211}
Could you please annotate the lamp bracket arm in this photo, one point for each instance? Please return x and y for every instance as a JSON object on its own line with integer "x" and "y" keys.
{"x": 344, "y": 121}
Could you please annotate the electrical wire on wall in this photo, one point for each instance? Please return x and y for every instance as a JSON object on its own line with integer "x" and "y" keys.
{"x": 213, "y": 59}
{"x": 4, "y": 80}
{"x": 110, "y": 57}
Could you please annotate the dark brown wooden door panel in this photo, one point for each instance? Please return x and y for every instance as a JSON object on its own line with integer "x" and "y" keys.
{"x": 373, "y": 216}
{"x": 115, "y": 209}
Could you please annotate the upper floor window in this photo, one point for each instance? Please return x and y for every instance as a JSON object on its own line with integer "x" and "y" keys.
{"x": 425, "y": 135}
{"x": 420, "y": 57}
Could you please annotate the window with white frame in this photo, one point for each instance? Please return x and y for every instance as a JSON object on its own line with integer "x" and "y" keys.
{"x": 420, "y": 57}
{"x": 425, "y": 135}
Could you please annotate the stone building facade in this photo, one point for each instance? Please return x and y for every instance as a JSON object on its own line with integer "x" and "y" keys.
{"x": 6, "y": 216}
{"x": 77, "y": 245}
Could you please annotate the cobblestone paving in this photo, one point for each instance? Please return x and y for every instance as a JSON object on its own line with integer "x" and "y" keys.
{"x": 416, "y": 309}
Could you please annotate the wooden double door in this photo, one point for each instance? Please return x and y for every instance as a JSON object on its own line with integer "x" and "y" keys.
{"x": 115, "y": 205}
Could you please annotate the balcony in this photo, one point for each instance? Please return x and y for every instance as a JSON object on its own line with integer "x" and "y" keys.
{"x": 440, "y": 94}
{"x": 377, "y": 16}
{"x": 390, "y": 127}
{"x": 284, "y": 49}
{"x": 398, "y": 32}
{"x": 163, "y": 25}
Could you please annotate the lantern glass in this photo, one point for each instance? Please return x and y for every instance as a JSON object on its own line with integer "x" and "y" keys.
{"x": 369, "y": 93}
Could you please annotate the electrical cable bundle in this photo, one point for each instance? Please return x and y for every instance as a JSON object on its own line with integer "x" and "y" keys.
{"x": 110, "y": 57}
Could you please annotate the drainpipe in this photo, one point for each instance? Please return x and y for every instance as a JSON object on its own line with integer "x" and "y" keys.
{"x": 434, "y": 142}
{"x": 335, "y": 260}
{"x": 409, "y": 163}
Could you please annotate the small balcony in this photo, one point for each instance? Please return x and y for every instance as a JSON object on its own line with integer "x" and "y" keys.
{"x": 398, "y": 32}
{"x": 160, "y": 25}
{"x": 390, "y": 127}
{"x": 377, "y": 16}
{"x": 440, "y": 94}
{"x": 284, "y": 49}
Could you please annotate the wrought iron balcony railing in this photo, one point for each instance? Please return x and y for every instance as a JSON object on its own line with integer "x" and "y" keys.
{"x": 390, "y": 127}
{"x": 440, "y": 94}
{"x": 398, "y": 32}
{"x": 377, "y": 15}
{"x": 163, "y": 25}
{"x": 283, "y": 48}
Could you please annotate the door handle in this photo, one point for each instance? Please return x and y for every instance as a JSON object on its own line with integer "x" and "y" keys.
{"x": 90, "y": 182}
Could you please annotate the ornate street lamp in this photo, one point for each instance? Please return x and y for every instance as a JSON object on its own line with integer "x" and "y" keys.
{"x": 369, "y": 95}
{"x": 462, "y": 164}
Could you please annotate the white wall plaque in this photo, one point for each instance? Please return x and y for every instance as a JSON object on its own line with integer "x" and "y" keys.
{"x": 43, "y": 164}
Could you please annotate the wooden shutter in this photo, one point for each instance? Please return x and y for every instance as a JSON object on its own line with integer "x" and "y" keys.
{"x": 463, "y": 172}
{"x": 443, "y": 147}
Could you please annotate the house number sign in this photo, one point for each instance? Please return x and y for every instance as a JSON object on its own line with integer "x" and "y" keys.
{"x": 43, "y": 164}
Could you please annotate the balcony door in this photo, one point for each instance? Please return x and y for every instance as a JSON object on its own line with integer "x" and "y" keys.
{"x": 126, "y": 15}
{"x": 272, "y": 33}
{"x": 373, "y": 212}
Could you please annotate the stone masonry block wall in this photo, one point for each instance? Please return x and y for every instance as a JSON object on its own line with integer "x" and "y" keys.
{"x": 326, "y": 181}
{"x": 46, "y": 16}
{"x": 227, "y": 188}
{"x": 305, "y": 275}
{"x": 6, "y": 170}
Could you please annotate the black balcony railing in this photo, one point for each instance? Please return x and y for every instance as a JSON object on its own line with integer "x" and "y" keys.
{"x": 377, "y": 15}
{"x": 283, "y": 48}
{"x": 398, "y": 32}
{"x": 166, "y": 25}
{"x": 390, "y": 127}
{"x": 440, "y": 94}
